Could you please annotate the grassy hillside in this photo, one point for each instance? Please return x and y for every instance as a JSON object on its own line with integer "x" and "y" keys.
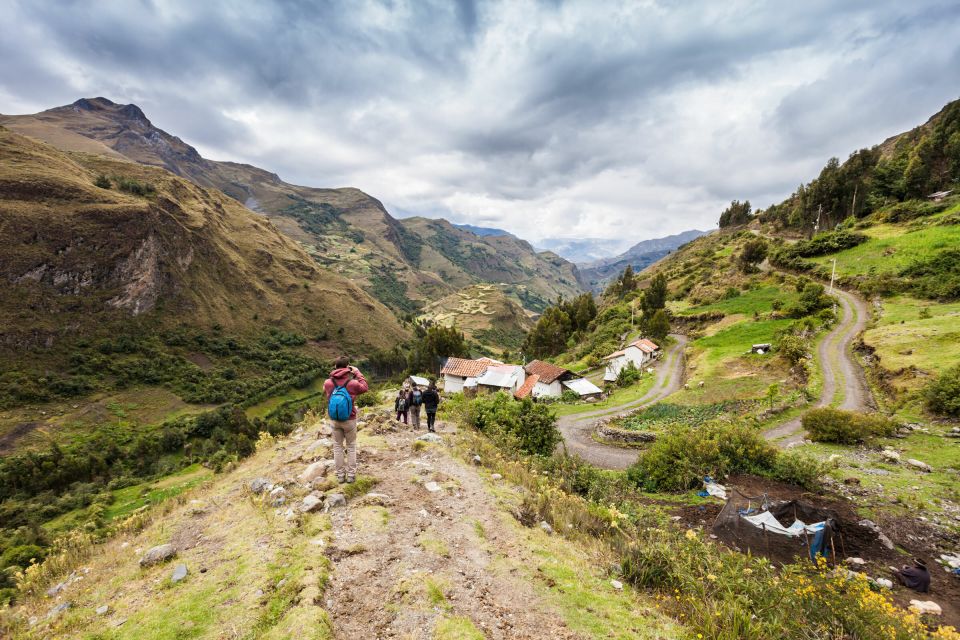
{"x": 403, "y": 263}
{"x": 485, "y": 315}
{"x": 152, "y": 281}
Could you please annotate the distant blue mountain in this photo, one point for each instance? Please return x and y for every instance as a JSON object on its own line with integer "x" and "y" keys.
{"x": 483, "y": 231}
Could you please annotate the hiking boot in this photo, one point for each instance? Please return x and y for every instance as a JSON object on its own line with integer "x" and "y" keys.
{"x": 341, "y": 479}
{"x": 351, "y": 479}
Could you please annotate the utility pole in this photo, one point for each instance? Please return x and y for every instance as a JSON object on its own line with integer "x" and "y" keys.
{"x": 816, "y": 225}
{"x": 833, "y": 274}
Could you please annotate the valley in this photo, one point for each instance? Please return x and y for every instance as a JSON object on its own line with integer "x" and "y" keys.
{"x": 169, "y": 321}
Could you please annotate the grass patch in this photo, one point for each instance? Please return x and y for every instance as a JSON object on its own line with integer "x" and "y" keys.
{"x": 434, "y": 545}
{"x": 891, "y": 248}
{"x": 361, "y": 486}
{"x": 436, "y": 591}
{"x": 903, "y": 337}
{"x": 759, "y": 300}
{"x": 456, "y": 628}
{"x": 615, "y": 399}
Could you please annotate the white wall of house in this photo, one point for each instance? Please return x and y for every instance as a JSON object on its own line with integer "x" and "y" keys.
{"x": 452, "y": 384}
{"x": 552, "y": 390}
{"x": 616, "y": 365}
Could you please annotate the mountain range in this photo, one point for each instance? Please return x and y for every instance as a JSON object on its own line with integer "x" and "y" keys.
{"x": 404, "y": 263}
{"x": 599, "y": 273}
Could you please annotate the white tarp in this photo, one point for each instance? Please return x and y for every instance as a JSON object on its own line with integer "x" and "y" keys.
{"x": 420, "y": 382}
{"x": 582, "y": 386}
{"x": 766, "y": 520}
{"x": 715, "y": 490}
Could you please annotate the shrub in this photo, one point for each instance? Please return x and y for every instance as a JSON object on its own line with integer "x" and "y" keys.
{"x": 524, "y": 426}
{"x": 102, "y": 181}
{"x": 629, "y": 375}
{"x": 135, "y": 187}
{"x": 844, "y": 427}
{"x": 799, "y": 469}
{"x": 684, "y": 455}
{"x": 792, "y": 348}
{"x": 943, "y": 394}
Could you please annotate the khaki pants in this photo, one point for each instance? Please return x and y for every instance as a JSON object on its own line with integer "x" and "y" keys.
{"x": 415, "y": 416}
{"x": 345, "y": 431}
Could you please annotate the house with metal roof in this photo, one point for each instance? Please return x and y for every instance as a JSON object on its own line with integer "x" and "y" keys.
{"x": 461, "y": 373}
{"x": 552, "y": 380}
{"x": 639, "y": 352}
{"x": 502, "y": 377}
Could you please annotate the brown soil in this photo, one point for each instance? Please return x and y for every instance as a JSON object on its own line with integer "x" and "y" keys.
{"x": 381, "y": 572}
{"x": 911, "y": 536}
{"x": 9, "y": 439}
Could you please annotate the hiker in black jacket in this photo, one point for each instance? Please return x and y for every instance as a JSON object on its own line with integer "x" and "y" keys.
{"x": 430, "y": 398}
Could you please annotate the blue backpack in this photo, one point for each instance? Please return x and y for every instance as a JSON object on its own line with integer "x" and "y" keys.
{"x": 340, "y": 405}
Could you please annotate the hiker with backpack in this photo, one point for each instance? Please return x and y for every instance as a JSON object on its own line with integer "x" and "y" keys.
{"x": 342, "y": 388}
{"x": 414, "y": 400}
{"x": 430, "y": 398}
{"x": 400, "y": 404}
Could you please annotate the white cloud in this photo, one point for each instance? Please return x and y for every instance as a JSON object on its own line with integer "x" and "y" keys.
{"x": 567, "y": 119}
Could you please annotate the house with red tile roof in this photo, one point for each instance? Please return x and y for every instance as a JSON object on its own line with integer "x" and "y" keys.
{"x": 639, "y": 353}
{"x": 460, "y": 373}
{"x": 553, "y": 380}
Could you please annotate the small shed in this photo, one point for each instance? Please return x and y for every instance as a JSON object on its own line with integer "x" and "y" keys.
{"x": 583, "y": 387}
{"x": 762, "y": 348}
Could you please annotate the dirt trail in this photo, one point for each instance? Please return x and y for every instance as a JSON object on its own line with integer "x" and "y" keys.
{"x": 838, "y": 366}
{"x": 401, "y": 564}
{"x": 577, "y": 429}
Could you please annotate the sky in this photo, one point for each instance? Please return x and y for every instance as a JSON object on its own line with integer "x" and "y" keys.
{"x": 553, "y": 119}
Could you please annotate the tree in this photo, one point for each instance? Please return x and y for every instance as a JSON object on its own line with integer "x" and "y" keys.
{"x": 659, "y": 325}
{"x": 436, "y": 345}
{"x": 628, "y": 281}
{"x": 736, "y": 214}
{"x": 655, "y": 297}
{"x": 772, "y": 392}
{"x": 753, "y": 253}
{"x": 549, "y": 336}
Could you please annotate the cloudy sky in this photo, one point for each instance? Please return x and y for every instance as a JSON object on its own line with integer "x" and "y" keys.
{"x": 551, "y": 119}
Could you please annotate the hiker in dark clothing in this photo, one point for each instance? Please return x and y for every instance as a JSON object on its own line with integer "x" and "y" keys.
{"x": 414, "y": 400}
{"x": 431, "y": 400}
{"x": 916, "y": 577}
{"x": 400, "y": 404}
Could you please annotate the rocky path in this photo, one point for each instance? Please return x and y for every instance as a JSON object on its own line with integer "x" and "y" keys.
{"x": 401, "y": 567}
{"x": 577, "y": 429}
{"x": 841, "y": 372}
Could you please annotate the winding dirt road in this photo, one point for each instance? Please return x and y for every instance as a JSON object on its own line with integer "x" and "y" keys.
{"x": 840, "y": 369}
{"x": 577, "y": 429}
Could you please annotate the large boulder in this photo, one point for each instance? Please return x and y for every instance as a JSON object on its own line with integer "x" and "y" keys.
{"x": 315, "y": 470}
{"x": 919, "y": 466}
{"x": 311, "y": 503}
{"x": 158, "y": 554}
{"x": 260, "y": 485}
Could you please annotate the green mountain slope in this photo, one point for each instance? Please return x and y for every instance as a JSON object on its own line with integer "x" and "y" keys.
{"x": 110, "y": 286}
{"x": 401, "y": 262}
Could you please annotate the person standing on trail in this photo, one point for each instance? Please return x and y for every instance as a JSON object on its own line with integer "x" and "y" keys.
{"x": 341, "y": 389}
{"x": 414, "y": 400}
{"x": 431, "y": 400}
{"x": 400, "y": 405}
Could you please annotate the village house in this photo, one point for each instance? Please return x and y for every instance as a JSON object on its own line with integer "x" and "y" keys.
{"x": 501, "y": 377}
{"x": 545, "y": 380}
{"x": 639, "y": 352}
{"x": 460, "y": 373}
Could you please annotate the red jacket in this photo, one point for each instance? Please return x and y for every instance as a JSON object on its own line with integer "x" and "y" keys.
{"x": 355, "y": 387}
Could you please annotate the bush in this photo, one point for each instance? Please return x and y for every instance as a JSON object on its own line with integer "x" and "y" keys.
{"x": 135, "y": 187}
{"x": 684, "y": 455}
{"x": 943, "y": 394}
{"x": 844, "y": 427}
{"x": 792, "y": 348}
{"x": 102, "y": 181}
{"x": 629, "y": 375}
{"x": 800, "y": 469}
{"x": 523, "y": 426}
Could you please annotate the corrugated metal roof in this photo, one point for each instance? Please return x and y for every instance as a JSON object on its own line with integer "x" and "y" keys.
{"x": 582, "y": 386}
{"x": 504, "y": 376}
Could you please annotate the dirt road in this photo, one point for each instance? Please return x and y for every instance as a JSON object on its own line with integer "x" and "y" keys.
{"x": 577, "y": 429}
{"x": 841, "y": 372}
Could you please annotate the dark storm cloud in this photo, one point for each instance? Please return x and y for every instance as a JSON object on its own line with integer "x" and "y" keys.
{"x": 560, "y": 118}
